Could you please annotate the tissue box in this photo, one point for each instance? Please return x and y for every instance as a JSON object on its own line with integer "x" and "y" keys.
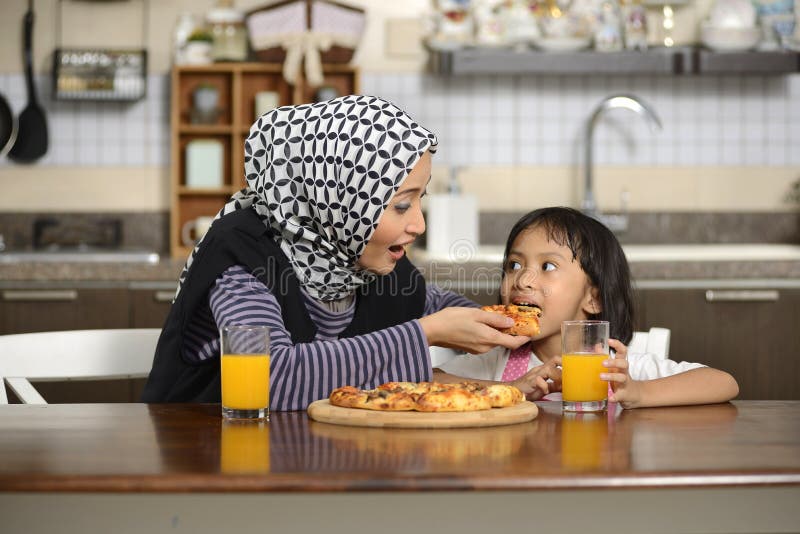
{"x": 204, "y": 162}
{"x": 452, "y": 226}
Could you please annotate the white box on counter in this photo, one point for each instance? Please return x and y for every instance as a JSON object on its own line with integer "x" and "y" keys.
{"x": 452, "y": 226}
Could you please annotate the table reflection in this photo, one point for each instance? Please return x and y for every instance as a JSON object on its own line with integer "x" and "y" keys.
{"x": 194, "y": 438}
{"x": 244, "y": 447}
{"x": 584, "y": 440}
{"x": 680, "y": 437}
{"x": 484, "y": 447}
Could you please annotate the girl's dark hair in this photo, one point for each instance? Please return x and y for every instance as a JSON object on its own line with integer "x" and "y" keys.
{"x": 600, "y": 256}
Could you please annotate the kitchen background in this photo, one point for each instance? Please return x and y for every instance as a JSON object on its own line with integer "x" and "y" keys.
{"x": 721, "y": 171}
{"x": 729, "y": 143}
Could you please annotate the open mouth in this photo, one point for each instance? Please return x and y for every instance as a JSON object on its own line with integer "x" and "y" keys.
{"x": 527, "y": 303}
{"x": 397, "y": 251}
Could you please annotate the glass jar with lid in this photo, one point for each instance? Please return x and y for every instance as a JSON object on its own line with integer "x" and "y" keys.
{"x": 230, "y": 35}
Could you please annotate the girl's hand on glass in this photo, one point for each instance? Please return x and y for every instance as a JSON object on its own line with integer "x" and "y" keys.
{"x": 469, "y": 329}
{"x": 535, "y": 385}
{"x": 624, "y": 389}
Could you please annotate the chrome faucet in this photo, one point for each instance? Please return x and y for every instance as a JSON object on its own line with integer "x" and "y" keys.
{"x": 617, "y": 223}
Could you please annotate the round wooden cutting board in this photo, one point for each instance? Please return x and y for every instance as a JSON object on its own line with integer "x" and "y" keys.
{"x": 325, "y": 412}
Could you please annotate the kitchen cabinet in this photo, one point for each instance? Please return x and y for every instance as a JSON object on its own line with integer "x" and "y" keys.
{"x": 38, "y": 309}
{"x": 229, "y": 124}
{"x": 747, "y": 331}
{"x": 149, "y": 307}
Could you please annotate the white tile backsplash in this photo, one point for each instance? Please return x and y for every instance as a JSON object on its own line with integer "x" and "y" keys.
{"x": 504, "y": 120}
{"x": 89, "y": 154}
{"x": 776, "y": 155}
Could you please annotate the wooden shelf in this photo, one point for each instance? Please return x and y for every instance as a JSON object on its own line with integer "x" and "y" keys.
{"x": 211, "y": 191}
{"x": 237, "y": 85}
{"x": 205, "y": 128}
{"x": 665, "y": 61}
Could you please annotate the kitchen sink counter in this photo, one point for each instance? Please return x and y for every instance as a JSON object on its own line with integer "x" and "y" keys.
{"x": 31, "y": 270}
{"x": 648, "y": 262}
{"x": 482, "y": 265}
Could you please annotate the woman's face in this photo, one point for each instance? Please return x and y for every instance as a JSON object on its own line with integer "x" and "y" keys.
{"x": 543, "y": 273}
{"x": 400, "y": 223}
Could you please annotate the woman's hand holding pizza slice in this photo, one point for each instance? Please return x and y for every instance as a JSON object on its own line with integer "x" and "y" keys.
{"x": 526, "y": 318}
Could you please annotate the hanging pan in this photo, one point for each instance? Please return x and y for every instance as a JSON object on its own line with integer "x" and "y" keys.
{"x": 31, "y": 143}
{"x": 8, "y": 127}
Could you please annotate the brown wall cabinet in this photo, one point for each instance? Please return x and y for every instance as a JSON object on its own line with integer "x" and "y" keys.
{"x": 751, "y": 333}
{"x": 38, "y": 309}
{"x": 237, "y": 85}
{"x": 149, "y": 307}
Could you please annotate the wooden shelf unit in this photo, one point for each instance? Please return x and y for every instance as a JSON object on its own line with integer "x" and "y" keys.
{"x": 237, "y": 84}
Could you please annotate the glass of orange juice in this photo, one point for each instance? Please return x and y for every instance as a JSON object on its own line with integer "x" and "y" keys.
{"x": 584, "y": 346}
{"x": 245, "y": 372}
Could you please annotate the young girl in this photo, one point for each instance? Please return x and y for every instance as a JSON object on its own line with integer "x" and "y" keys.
{"x": 314, "y": 248}
{"x": 573, "y": 268}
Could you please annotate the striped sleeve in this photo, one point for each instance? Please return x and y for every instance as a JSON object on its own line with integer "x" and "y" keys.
{"x": 304, "y": 372}
{"x": 437, "y": 299}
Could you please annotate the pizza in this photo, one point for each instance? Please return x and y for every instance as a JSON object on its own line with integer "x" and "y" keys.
{"x": 526, "y": 318}
{"x": 428, "y": 397}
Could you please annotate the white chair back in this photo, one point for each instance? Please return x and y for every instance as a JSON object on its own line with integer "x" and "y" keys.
{"x": 71, "y": 355}
{"x": 654, "y": 341}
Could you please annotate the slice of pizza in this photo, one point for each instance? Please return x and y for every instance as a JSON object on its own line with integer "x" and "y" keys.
{"x": 500, "y": 395}
{"x": 374, "y": 399}
{"x": 452, "y": 399}
{"x": 526, "y": 318}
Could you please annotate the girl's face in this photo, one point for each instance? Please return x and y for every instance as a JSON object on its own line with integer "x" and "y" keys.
{"x": 400, "y": 223}
{"x": 543, "y": 273}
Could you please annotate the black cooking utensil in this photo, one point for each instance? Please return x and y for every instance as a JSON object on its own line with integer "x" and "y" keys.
{"x": 31, "y": 143}
{"x": 8, "y": 127}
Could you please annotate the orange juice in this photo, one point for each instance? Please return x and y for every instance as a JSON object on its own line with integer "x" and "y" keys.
{"x": 245, "y": 381}
{"x": 580, "y": 375}
{"x": 244, "y": 447}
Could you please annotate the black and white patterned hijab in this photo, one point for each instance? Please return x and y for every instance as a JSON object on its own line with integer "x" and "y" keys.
{"x": 320, "y": 176}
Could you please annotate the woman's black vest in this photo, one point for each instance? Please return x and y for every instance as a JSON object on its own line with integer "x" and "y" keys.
{"x": 241, "y": 238}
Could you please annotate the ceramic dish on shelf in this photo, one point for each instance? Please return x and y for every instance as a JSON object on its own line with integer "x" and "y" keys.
{"x": 729, "y": 39}
{"x": 562, "y": 44}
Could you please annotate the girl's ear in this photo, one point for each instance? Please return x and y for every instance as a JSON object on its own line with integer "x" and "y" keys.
{"x": 591, "y": 301}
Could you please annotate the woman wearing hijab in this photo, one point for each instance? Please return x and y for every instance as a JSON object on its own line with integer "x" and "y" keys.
{"x": 313, "y": 247}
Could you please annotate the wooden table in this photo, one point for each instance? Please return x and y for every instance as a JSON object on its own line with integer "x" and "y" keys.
{"x": 151, "y": 468}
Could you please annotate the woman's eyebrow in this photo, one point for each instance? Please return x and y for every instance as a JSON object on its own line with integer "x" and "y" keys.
{"x": 407, "y": 192}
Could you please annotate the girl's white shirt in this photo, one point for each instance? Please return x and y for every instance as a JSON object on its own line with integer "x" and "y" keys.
{"x": 490, "y": 366}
